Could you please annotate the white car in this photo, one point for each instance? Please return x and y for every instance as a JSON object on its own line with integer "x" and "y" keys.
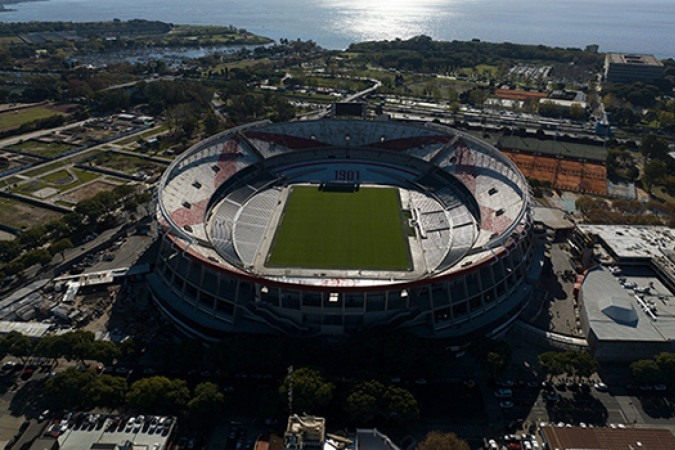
{"x": 601, "y": 387}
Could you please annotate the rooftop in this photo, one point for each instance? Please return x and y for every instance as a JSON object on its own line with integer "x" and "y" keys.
{"x": 552, "y": 147}
{"x": 630, "y": 242}
{"x": 639, "y": 309}
{"x": 109, "y": 433}
{"x": 633, "y": 59}
{"x": 608, "y": 438}
{"x": 371, "y": 439}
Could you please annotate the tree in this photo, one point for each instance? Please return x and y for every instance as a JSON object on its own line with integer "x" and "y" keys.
{"x": 206, "y": 403}
{"x": 442, "y": 441}
{"x": 16, "y": 344}
{"x": 74, "y": 388}
{"x": 9, "y": 250}
{"x": 400, "y": 405}
{"x": 311, "y": 392}
{"x": 60, "y": 246}
{"x": 38, "y": 256}
{"x": 158, "y": 395}
{"x": 551, "y": 363}
{"x": 654, "y": 147}
{"x": 580, "y": 363}
{"x": 283, "y": 110}
{"x": 34, "y": 237}
{"x": 370, "y": 402}
{"x": 646, "y": 371}
{"x": 67, "y": 389}
{"x": 654, "y": 171}
{"x": 666, "y": 363}
{"x": 106, "y": 391}
{"x": 363, "y": 403}
{"x": 103, "y": 351}
{"x": 76, "y": 345}
{"x": 211, "y": 123}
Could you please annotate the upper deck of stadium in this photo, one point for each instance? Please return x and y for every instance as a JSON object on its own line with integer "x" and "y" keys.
{"x": 217, "y": 198}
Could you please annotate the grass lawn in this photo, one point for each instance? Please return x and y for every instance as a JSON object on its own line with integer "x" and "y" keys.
{"x": 125, "y": 163}
{"x": 63, "y": 178}
{"x": 661, "y": 193}
{"x": 60, "y": 180}
{"x": 47, "y": 149}
{"x": 341, "y": 230}
{"x": 15, "y": 119}
{"x": 43, "y": 169}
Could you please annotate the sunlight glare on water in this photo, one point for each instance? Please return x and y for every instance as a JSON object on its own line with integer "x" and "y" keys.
{"x": 367, "y": 20}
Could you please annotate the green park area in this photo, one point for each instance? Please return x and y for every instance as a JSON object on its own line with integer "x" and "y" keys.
{"x": 60, "y": 180}
{"x": 126, "y": 163}
{"x": 341, "y": 230}
{"x": 46, "y": 149}
{"x": 14, "y": 119}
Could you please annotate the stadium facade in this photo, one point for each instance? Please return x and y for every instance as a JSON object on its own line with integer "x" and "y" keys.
{"x": 466, "y": 210}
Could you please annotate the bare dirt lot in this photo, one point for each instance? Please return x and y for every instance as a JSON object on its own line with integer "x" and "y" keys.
{"x": 87, "y": 191}
{"x": 22, "y": 215}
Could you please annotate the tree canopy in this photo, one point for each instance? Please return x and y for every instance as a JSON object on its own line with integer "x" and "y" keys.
{"x": 575, "y": 363}
{"x": 206, "y": 403}
{"x": 311, "y": 392}
{"x": 370, "y": 402}
{"x": 158, "y": 395}
{"x": 442, "y": 441}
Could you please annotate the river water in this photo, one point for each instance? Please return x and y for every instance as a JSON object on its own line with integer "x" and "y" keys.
{"x": 637, "y": 26}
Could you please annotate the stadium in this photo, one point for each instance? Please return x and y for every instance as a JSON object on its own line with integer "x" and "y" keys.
{"x": 333, "y": 226}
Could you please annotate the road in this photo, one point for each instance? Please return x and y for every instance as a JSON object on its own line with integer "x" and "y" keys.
{"x": 35, "y": 134}
{"x": 134, "y": 83}
{"x": 323, "y": 112}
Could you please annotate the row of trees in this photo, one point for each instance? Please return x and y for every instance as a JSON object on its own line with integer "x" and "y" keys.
{"x": 76, "y": 389}
{"x": 659, "y": 370}
{"x": 76, "y": 345}
{"x": 631, "y": 212}
{"x": 369, "y": 402}
{"x": 376, "y": 355}
{"x": 573, "y": 363}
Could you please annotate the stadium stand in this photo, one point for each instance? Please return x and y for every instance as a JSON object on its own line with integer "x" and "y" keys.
{"x": 219, "y": 201}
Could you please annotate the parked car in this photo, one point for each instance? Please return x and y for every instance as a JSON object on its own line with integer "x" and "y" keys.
{"x": 503, "y": 393}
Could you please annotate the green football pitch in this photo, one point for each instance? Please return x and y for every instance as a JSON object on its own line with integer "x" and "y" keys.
{"x": 341, "y": 230}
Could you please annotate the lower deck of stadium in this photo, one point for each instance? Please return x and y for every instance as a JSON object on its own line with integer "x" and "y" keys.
{"x": 187, "y": 287}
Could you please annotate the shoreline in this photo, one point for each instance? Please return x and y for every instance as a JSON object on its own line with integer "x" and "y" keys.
{"x": 336, "y": 38}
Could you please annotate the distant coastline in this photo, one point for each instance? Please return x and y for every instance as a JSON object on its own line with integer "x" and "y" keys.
{"x": 4, "y": 3}
{"x": 624, "y": 27}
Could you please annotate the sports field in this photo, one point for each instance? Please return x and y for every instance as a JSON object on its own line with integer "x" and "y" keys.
{"x": 341, "y": 230}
